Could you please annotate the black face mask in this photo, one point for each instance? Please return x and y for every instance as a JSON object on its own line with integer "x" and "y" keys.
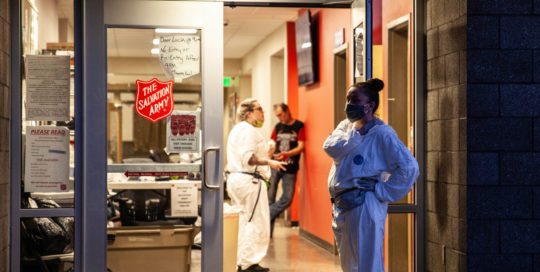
{"x": 354, "y": 112}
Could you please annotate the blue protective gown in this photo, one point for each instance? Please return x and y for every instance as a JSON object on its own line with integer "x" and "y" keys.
{"x": 359, "y": 232}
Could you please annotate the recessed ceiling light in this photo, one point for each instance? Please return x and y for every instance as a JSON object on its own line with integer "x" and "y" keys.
{"x": 155, "y": 41}
{"x": 306, "y": 45}
{"x": 176, "y": 30}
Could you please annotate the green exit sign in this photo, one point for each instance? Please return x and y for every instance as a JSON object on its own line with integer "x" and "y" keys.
{"x": 226, "y": 81}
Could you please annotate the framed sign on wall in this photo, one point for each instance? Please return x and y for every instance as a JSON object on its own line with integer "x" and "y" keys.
{"x": 358, "y": 34}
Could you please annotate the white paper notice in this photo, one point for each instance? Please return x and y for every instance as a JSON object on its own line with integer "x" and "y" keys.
{"x": 184, "y": 199}
{"x": 179, "y": 56}
{"x": 47, "y": 88}
{"x": 183, "y": 132}
{"x": 46, "y": 159}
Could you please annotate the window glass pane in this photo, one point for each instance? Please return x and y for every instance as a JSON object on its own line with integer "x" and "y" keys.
{"x": 136, "y": 130}
{"x": 399, "y": 242}
{"x": 47, "y": 243}
{"x": 408, "y": 199}
{"x": 48, "y": 95}
{"x": 154, "y": 143}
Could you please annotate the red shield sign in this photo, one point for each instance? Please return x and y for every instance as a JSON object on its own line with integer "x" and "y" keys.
{"x": 154, "y": 99}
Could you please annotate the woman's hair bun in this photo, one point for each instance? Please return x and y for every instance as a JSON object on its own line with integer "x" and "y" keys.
{"x": 376, "y": 84}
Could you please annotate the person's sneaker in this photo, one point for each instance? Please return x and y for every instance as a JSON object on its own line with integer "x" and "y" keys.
{"x": 254, "y": 268}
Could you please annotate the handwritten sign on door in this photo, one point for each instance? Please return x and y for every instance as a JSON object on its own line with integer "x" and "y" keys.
{"x": 180, "y": 55}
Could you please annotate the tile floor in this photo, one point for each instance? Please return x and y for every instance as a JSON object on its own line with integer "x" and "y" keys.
{"x": 288, "y": 252}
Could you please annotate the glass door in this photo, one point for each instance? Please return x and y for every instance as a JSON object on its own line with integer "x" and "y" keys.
{"x": 42, "y": 136}
{"x": 160, "y": 115}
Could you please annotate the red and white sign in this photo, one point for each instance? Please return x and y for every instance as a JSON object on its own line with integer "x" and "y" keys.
{"x": 154, "y": 99}
{"x": 183, "y": 124}
{"x": 155, "y": 174}
{"x": 183, "y": 132}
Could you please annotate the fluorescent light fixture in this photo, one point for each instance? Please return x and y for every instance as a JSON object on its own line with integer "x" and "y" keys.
{"x": 306, "y": 45}
{"x": 155, "y": 51}
{"x": 155, "y": 41}
{"x": 176, "y": 30}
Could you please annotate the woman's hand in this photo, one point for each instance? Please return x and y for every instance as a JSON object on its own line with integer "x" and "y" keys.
{"x": 277, "y": 165}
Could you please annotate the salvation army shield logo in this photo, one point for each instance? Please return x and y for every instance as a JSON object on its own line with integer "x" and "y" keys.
{"x": 154, "y": 99}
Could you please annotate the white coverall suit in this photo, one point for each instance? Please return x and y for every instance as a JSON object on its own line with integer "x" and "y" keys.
{"x": 253, "y": 236}
{"x": 359, "y": 232}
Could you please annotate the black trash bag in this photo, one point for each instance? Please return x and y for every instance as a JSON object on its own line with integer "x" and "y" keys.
{"x": 44, "y": 235}
{"x": 46, "y": 203}
{"x": 67, "y": 223}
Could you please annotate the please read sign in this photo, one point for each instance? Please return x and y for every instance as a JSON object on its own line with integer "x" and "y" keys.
{"x": 154, "y": 100}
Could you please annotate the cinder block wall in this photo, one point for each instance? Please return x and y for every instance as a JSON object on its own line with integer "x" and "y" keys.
{"x": 446, "y": 115}
{"x": 4, "y": 134}
{"x": 503, "y": 97}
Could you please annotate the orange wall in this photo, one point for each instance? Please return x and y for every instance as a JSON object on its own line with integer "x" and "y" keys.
{"x": 315, "y": 109}
{"x": 292, "y": 98}
{"x": 376, "y": 24}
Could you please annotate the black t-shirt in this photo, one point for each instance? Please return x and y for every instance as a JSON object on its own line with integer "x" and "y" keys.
{"x": 286, "y": 138}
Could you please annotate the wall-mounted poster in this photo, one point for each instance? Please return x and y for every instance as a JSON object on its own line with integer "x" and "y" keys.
{"x": 359, "y": 53}
{"x": 47, "y": 88}
{"x": 46, "y": 166}
{"x": 179, "y": 56}
{"x": 183, "y": 132}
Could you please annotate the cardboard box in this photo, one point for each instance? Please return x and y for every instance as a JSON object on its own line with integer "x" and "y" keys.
{"x": 230, "y": 241}
{"x": 149, "y": 248}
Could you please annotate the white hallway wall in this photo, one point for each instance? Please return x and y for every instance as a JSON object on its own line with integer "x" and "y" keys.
{"x": 258, "y": 63}
{"x": 48, "y": 23}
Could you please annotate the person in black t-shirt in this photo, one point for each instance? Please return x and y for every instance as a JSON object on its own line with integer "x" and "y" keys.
{"x": 289, "y": 138}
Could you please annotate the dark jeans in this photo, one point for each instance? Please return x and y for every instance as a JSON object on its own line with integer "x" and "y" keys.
{"x": 288, "y": 184}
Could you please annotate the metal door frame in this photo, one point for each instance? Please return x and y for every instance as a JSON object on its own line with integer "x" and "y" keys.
{"x": 208, "y": 17}
{"x": 91, "y": 141}
{"x": 16, "y": 213}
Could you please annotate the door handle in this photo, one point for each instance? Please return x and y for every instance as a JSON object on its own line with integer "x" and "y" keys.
{"x": 212, "y": 187}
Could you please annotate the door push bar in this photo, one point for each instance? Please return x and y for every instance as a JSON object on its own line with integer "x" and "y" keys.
{"x": 205, "y": 177}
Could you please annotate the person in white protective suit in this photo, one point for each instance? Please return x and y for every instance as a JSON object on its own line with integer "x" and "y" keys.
{"x": 365, "y": 151}
{"x": 247, "y": 164}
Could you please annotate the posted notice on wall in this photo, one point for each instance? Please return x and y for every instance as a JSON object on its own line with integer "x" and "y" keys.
{"x": 46, "y": 159}
{"x": 183, "y": 132}
{"x": 180, "y": 56}
{"x": 47, "y": 88}
{"x": 184, "y": 199}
